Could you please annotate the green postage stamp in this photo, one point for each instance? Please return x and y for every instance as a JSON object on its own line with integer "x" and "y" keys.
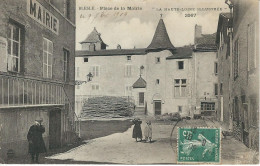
{"x": 198, "y": 145}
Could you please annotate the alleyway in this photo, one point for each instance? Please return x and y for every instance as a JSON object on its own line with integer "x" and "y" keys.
{"x": 122, "y": 149}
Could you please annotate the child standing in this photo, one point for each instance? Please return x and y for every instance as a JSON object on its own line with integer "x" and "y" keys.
{"x": 148, "y": 131}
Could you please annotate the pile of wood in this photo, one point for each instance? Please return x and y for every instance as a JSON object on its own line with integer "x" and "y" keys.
{"x": 107, "y": 107}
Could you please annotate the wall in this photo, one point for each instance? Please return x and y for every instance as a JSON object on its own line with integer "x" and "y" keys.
{"x": 34, "y": 34}
{"x": 112, "y": 74}
{"x": 204, "y": 78}
{"x": 247, "y": 82}
{"x": 32, "y": 68}
{"x": 15, "y": 124}
{"x": 224, "y": 77}
{"x": 166, "y": 71}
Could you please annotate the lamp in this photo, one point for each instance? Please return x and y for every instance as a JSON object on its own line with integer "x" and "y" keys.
{"x": 89, "y": 78}
{"x": 229, "y": 3}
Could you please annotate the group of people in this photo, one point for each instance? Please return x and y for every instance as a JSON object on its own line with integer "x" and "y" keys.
{"x": 137, "y": 131}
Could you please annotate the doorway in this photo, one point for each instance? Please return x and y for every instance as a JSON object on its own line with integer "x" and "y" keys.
{"x": 55, "y": 129}
{"x": 141, "y": 98}
{"x": 157, "y": 107}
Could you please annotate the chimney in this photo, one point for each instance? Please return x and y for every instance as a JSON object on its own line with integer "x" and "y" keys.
{"x": 118, "y": 47}
{"x": 198, "y": 32}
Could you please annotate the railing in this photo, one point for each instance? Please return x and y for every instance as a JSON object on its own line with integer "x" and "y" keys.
{"x": 19, "y": 91}
{"x": 76, "y": 121}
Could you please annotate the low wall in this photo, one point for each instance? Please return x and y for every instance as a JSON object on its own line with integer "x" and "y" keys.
{"x": 14, "y": 125}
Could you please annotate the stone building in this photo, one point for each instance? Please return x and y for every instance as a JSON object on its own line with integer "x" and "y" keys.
{"x": 36, "y": 72}
{"x": 159, "y": 78}
{"x": 225, "y": 67}
{"x": 205, "y": 72}
{"x": 241, "y": 44}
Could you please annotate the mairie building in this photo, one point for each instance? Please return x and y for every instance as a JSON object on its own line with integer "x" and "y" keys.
{"x": 160, "y": 79}
{"x": 37, "y": 58}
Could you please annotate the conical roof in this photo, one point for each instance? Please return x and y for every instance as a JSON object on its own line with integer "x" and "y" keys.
{"x": 93, "y": 37}
{"x": 140, "y": 83}
{"x": 161, "y": 40}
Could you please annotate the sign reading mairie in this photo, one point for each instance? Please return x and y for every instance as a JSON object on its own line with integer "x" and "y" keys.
{"x": 40, "y": 14}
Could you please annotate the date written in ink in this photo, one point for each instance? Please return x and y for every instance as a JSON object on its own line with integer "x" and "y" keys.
{"x": 190, "y": 15}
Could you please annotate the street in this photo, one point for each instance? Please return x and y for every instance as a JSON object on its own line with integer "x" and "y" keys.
{"x": 120, "y": 148}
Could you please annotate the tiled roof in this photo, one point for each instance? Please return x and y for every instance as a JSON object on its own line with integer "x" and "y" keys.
{"x": 93, "y": 37}
{"x": 224, "y": 22}
{"x": 140, "y": 83}
{"x": 205, "y": 43}
{"x": 181, "y": 53}
{"x": 112, "y": 52}
{"x": 161, "y": 40}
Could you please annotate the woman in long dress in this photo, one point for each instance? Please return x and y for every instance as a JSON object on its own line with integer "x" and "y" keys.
{"x": 137, "y": 131}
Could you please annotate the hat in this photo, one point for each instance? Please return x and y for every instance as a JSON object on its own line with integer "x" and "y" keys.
{"x": 39, "y": 120}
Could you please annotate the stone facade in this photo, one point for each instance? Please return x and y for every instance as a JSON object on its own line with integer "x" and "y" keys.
{"x": 168, "y": 73}
{"x": 241, "y": 79}
{"x": 26, "y": 92}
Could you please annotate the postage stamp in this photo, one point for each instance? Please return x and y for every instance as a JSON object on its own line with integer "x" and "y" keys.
{"x": 199, "y": 145}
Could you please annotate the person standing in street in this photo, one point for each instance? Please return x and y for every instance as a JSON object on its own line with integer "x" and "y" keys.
{"x": 36, "y": 143}
{"x": 148, "y": 131}
{"x": 137, "y": 131}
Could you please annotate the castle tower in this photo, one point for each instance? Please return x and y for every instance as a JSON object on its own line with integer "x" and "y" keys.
{"x": 161, "y": 40}
{"x": 93, "y": 42}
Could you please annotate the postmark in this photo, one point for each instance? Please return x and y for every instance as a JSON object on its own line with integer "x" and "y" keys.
{"x": 199, "y": 145}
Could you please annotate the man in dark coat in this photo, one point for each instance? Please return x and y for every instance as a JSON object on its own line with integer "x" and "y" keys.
{"x": 36, "y": 143}
{"x": 137, "y": 131}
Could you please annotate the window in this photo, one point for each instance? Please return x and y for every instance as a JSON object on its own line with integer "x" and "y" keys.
{"x": 65, "y": 64}
{"x": 236, "y": 59}
{"x": 251, "y": 49}
{"x": 216, "y": 68}
{"x": 180, "y": 87}
{"x": 216, "y": 89}
{"x": 95, "y": 87}
{"x": 180, "y": 65}
{"x": 85, "y": 59}
{"x": 14, "y": 48}
{"x": 128, "y": 89}
{"x": 180, "y": 109}
{"x": 128, "y": 58}
{"x": 221, "y": 89}
{"x": 157, "y": 60}
{"x": 77, "y": 72}
{"x": 95, "y": 71}
{"x": 128, "y": 70}
{"x": 67, "y": 9}
{"x": 157, "y": 81}
{"x": 254, "y": 111}
{"x": 47, "y": 58}
{"x": 207, "y": 106}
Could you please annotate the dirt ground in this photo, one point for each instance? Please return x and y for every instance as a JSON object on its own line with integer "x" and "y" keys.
{"x": 111, "y": 142}
{"x": 90, "y": 129}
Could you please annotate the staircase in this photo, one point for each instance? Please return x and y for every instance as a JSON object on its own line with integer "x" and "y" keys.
{"x": 139, "y": 112}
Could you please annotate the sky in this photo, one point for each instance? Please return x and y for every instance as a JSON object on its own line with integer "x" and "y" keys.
{"x": 136, "y": 27}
